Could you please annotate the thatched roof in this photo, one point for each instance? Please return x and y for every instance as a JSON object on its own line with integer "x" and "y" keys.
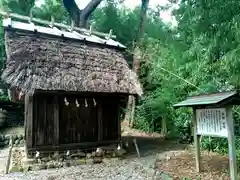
{"x": 38, "y": 61}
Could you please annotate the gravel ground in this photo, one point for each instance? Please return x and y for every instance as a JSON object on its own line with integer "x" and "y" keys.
{"x": 130, "y": 169}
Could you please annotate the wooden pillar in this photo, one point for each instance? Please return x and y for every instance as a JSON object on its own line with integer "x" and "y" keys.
{"x": 133, "y": 111}
{"x": 231, "y": 144}
{"x": 100, "y": 125}
{"x": 118, "y": 120}
{"x": 196, "y": 142}
{"x": 29, "y": 121}
{"x": 56, "y": 120}
{"x": 25, "y": 118}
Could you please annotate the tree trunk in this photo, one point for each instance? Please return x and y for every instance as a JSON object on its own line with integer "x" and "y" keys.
{"x": 87, "y": 11}
{"x": 164, "y": 127}
{"x": 143, "y": 15}
{"x": 136, "y": 61}
{"x": 80, "y": 17}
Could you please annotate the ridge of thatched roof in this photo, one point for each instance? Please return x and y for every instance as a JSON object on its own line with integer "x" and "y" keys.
{"x": 36, "y": 61}
{"x": 67, "y": 33}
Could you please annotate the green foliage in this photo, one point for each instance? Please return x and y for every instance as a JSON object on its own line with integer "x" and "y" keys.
{"x": 2, "y": 54}
{"x": 201, "y": 55}
{"x": 124, "y": 22}
{"x": 17, "y": 6}
{"x": 2, "y": 57}
{"x": 163, "y": 87}
{"x": 4, "y": 97}
{"x": 53, "y": 8}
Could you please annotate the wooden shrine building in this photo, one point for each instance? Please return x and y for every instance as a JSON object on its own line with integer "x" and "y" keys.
{"x": 74, "y": 84}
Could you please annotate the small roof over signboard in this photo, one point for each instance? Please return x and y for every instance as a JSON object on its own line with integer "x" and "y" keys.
{"x": 214, "y": 99}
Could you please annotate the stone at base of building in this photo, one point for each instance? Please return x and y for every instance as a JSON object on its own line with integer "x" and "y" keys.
{"x": 58, "y": 160}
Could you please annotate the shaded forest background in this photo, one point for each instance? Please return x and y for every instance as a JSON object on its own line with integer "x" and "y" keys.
{"x": 200, "y": 54}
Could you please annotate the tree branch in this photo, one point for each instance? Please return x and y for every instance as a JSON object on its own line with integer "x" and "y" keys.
{"x": 87, "y": 11}
{"x": 80, "y": 17}
{"x": 73, "y": 10}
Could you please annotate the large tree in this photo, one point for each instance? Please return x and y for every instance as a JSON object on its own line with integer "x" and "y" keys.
{"x": 136, "y": 59}
{"x": 80, "y": 16}
{"x": 140, "y": 33}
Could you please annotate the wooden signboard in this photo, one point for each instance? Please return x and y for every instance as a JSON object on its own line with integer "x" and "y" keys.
{"x": 212, "y": 122}
{"x": 216, "y": 122}
{"x": 212, "y": 116}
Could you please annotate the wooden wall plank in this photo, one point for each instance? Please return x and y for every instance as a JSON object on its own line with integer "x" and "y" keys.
{"x": 29, "y": 114}
{"x": 118, "y": 121}
{"x": 56, "y": 120}
{"x": 63, "y": 126}
{"x": 110, "y": 119}
{"x": 40, "y": 121}
{"x": 43, "y": 123}
{"x": 35, "y": 119}
{"x": 93, "y": 126}
{"x": 49, "y": 123}
{"x": 100, "y": 121}
{"x": 25, "y": 118}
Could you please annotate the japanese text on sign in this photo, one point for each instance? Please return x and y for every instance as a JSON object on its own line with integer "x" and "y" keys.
{"x": 212, "y": 122}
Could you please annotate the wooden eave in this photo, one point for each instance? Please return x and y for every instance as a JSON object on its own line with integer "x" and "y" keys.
{"x": 211, "y": 100}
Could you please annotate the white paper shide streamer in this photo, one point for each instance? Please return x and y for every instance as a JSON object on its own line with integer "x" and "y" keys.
{"x": 66, "y": 102}
{"x": 94, "y": 102}
{"x": 77, "y": 104}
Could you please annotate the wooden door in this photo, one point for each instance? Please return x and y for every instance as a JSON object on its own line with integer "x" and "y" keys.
{"x": 78, "y": 120}
{"x": 110, "y": 119}
{"x": 43, "y": 120}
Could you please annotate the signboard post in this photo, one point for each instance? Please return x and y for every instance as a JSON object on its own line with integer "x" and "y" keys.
{"x": 196, "y": 141}
{"x": 217, "y": 122}
{"x": 231, "y": 145}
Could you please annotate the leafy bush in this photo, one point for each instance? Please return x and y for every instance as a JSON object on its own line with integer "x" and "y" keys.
{"x": 201, "y": 55}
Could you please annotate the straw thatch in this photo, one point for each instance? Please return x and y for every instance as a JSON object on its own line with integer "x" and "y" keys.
{"x": 38, "y": 61}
